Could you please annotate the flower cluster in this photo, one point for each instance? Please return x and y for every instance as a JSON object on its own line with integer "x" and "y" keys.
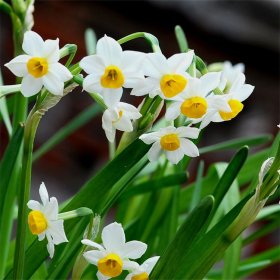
{"x": 111, "y": 258}
{"x": 191, "y": 98}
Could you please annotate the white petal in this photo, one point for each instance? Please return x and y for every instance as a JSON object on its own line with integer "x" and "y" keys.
{"x": 30, "y": 85}
{"x": 94, "y": 256}
{"x": 51, "y": 209}
{"x": 175, "y": 156}
{"x": 51, "y": 50}
{"x": 34, "y": 205}
{"x": 60, "y": 71}
{"x": 100, "y": 276}
{"x": 237, "y": 83}
{"x": 190, "y": 132}
{"x": 129, "y": 276}
{"x": 56, "y": 230}
{"x": 150, "y": 138}
{"x": 33, "y": 44}
{"x": 149, "y": 264}
{"x": 129, "y": 110}
{"x": 113, "y": 237}
{"x": 18, "y": 65}
{"x": 132, "y": 79}
{"x": 112, "y": 96}
{"x": 124, "y": 124}
{"x": 154, "y": 152}
{"x": 210, "y": 81}
{"x": 189, "y": 148}
{"x": 180, "y": 62}
{"x": 53, "y": 84}
{"x": 133, "y": 249}
{"x": 244, "y": 92}
{"x": 93, "y": 64}
{"x": 155, "y": 65}
{"x": 92, "y": 83}
{"x": 130, "y": 265}
{"x": 41, "y": 236}
{"x": 173, "y": 111}
{"x": 107, "y": 118}
{"x": 50, "y": 245}
{"x": 132, "y": 61}
{"x": 145, "y": 86}
{"x": 44, "y": 193}
{"x": 90, "y": 243}
{"x": 110, "y": 50}
{"x": 110, "y": 134}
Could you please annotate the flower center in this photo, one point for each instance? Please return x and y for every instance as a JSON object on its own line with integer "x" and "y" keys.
{"x": 236, "y": 107}
{"x": 194, "y": 107}
{"x": 120, "y": 116}
{"x": 170, "y": 142}
{"x": 142, "y": 276}
{"x": 37, "y": 222}
{"x": 171, "y": 85}
{"x": 111, "y": 265}
{"x": 112, "y": 77}
{"x": 37, "y": 67}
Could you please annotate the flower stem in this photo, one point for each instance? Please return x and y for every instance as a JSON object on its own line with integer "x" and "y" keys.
{"x": 28, "y": 140}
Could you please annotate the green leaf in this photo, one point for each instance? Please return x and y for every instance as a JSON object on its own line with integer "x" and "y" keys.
{"x": 90, "y": 39}
{"x": 94, "y": 195}
{"x": 210, "y": 247}
{"x": 4, "y": 110}
{"x": 232, "y": 254}
{"x": 7, "y": 163}
{"x": 80, "y": 120}
{"x": 181, "y": 39}
{"x": 197, "y": 188}
{"x": 155, "y": 184}
{"x": 173, "y": 258}
{"x": 258, "y": 262}
{"x": 237, "y": 143}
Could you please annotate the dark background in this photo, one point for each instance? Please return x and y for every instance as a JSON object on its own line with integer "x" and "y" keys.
{"x": 238, "y": 31}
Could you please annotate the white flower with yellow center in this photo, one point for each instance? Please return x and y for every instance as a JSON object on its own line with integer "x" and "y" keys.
{"x": 43, "y": 220}
{"x": 143, "y": 271}
{"x": 166, "y": 77}
{"x": 111, "y": 69}
{"x": 119, "y": 117}
{"x": 237, "y": 93}
{"x": 229, "y": 74}
{"x": 113, "y": 257}
{"x": 193, "y": 103}
{"x": 39, "y": 66}
{"x": 173, "y": 142}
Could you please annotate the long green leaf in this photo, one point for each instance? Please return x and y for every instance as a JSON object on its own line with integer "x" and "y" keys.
{"x": 237, "y": 143}
{"x": 173, "y": 258}
{"x": 7, "y": 163}
{"x": 210, "y": 247}
{"x": 155, "y": 184}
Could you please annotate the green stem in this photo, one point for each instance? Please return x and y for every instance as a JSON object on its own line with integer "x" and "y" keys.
{"x": 6, "y": 224}
{"x": 83, "y": 211}
{"x": 112, "y": 149}
{"x": 29, "y": 136}
{"x": 149, "y": 37}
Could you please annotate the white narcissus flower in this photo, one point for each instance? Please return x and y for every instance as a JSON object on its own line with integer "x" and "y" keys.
{"x": 143, "y": 271}
{"x": 194, "y": 102}
{"x": 120, "y": 117}
{"x": 111, "y": 69}
{"x": 39, "y": 66}
{"x": 229, "y": 74}
{"x": 236, "y": 94}
{"x": 113, "y": 257}
{"x": 166, "y": 77}
{"x": 43, "y": 220}
{"x": 173, "y": 142}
